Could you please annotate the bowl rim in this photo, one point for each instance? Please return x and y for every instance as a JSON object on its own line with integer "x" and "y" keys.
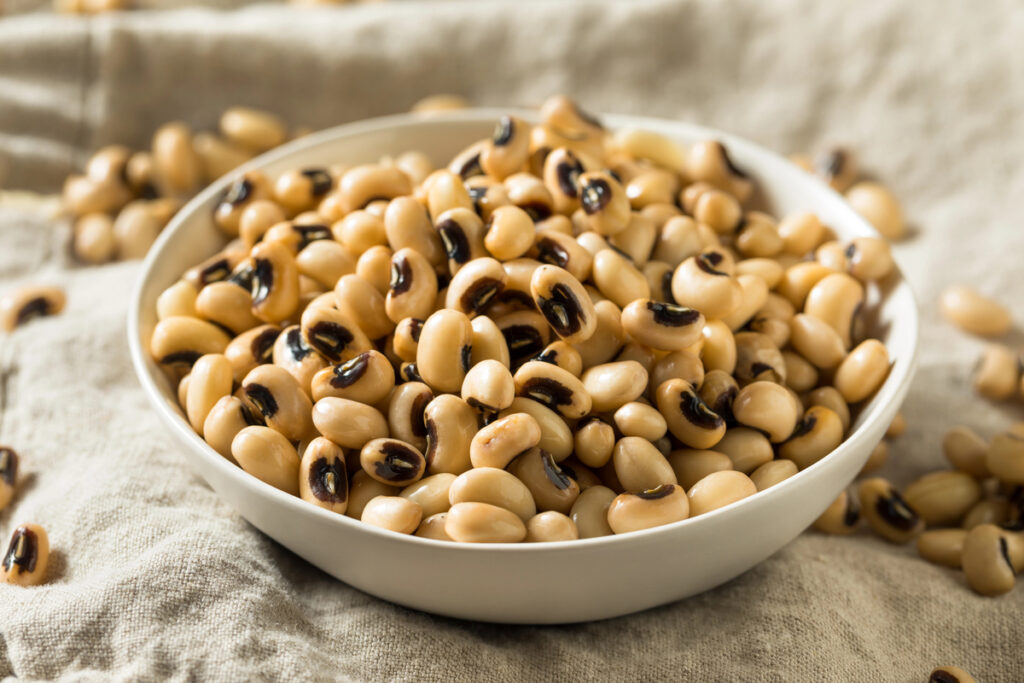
{"x": 896, "y": 382}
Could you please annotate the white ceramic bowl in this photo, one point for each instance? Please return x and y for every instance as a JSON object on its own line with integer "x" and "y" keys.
{"x": 527, "y": 583}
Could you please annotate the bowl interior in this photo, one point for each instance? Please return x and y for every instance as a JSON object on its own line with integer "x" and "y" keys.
{"x": 191, "y": 236}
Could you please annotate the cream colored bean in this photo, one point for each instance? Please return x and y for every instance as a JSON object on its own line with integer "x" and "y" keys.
{"x": 801, "y": 375}
{"x": 590, "y": 512}
{"x": 862, "y": 372}
{"x": 228, "y": 305}
{"x": 841, "y": 517}
{"x": 997, "y": 373}
{"x": 612, "y": 385}
{"x": 276, "y": 396}
{"x": 412, "y": 290}
{"x": 556, "y": 437}
{"x": 323, "y": 477}
{"x": 876, "y": 459}
{"x": 768, "y": 407}
{"x": 1005, "y": 458}
{"x": 950, "y": 674}
{"x": 972, "y": 312}
{"x": 177, "y": 165}
{"x": 607, "y": 339}
{"x": 218, "y": 157}
{"x": 966, "y": 451}
{"x": 943, "y": 498}
{"x": 771, "y": 473}
{"x": 550, "y": 526}
{"x": 431, "y": 493}
{"x": 594, "y": 440}
{"x": 549, "y": 485}
{"x": 637, "y": 240}
{"x": 443, "y": 353}
{"x": 94, "y": 238}
{"x": 830, "y": 398}
{"x": 640, "y": 466}
{"x": 801, "y": 232}
{"x": 704, "y": 282}
{"x": 488, "y": 342}
{"x": 818, "y": 433}
{"x": 887, "y": 512}
{"x": 640, "y": 420}
{"x": 211, "y": 379}
{"x": 251, "y": 128}
{"x": 392, "y": 462}
{"x": 483, "y": 523}
{"x": 488, "y": 387}
{"x": 349, "y": 424}
{"x": 689, "y": 419}
{"x": 8, "y": 475}
{"x": 553, "y": 387}
{"x": 393, "y": 513}
{"x": 495, "y": 487}
{"x": 719, "y": 489}
{"x": 647, "y": 509}
{"x": 564, "y": 303}
{"x": 709, "y": 162}
{"x": 747, "y": 448}
{"x": 618, "y": 279}
{"x": 837, "y": 300}
{"x": 27, "y": 557}
{"x": 497, "y": 444}
{"x": 267, "y": 455}
{"x": 275, "y": 284}
{"x": 758, "y": 359}
{"x": 563, "y": 355}
{"x": 719, "y": 349}
{"x": 180, "y": 340}
{"x": 604, "y": 202}
{"x": 879, "y": 207}
{"x": 986, "y": 561}
{"x": 362, "y": 490}
{"x": 433, "y": 527}
{"x": 690, "y": 465}
{"x": 450, "y": 425}
{"x": 817, "y": 341}
{"x": 942, "y": 546}
{"x": 661, "y": 325}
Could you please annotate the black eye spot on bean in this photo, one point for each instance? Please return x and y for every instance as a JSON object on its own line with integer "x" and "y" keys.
{"x": 401, "y": 276}
{"x": 148, "y": 191}
{"x": 562, "y": 310}
{"x": 503, "y": 132}
{"x": 242, "y": 276}
{"x": 831, "y": 163}
{"x": 328, "y": 482}
{"x": 250, "y": 418}
{"x": 568, "y": 172}
{"x": 399, "y": 463}
{"x": 464, "y": 356}
{"x": 188, "y": 358}
{"x": 523, "y": 341}
{"x": 554, "y": 472}
{"x": 479, "y": 295}
{"x": 262, "y": 398}
{"x": 329, "y": 338}
{"x": 8, "y": 465}
{"x": 456, "y": 244}
{"x": 550, "y": 251}
{"x": 319, "y": 179}
{"x": 660, "y": 491}
{"x": 671, "y": 315}
{"x": 723, "y": 404}
{"x": 471, "y": 167}
{"x": 262, "y": 345}
{"x": 805, "y": 426}
{"x": 666, "y": 287}
{"x": 757, "y": 368}
{"x": 537, "y": 211}
{"x": 595, "y": 195}
{"x": 697, "y": 412}
{"x": 708, "y": 262}
{"x": 416, "y": 418}
{"x": 548, "y": 356}
{"x": 311, "y": 233}
{"x": 214, "y": 272}
{"x": 415, "y": 329}
{"x": 296, "y": 345}
{"x": 733, "y": 168}
{"x": 895, "y": 511}
{"x": 409, "y": 373}
{"x": 347, "y": 374}
{"x": 943, "y": 677}
{"x": 852, "y": 514}
{"x": 238, "y": 192}
{"x": 1005, "y": 551}
{"x": 476, "y": 194}
{"x": 23, "y": 552}
{"x": 34, "y": 308}
{"x": 547, "y": 391}
{"x": 431, "y": 433}
{"x": 262, "y": 280}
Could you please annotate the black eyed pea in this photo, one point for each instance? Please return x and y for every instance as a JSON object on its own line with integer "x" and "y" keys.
{"x": 273, "y": 394}
{"x": 406, "y": 414}
{"x": 323, "y": 476}
{"x": 655, "y": 507}
{"x": 292, "y": 353}
{"x": 450, "y": 425}
{"x": 718, "y": 350}
{"x": 746, "y": 448}
{"x": 837, "y": 166}
{"x": 768, "y": 269}
{"x": 445, "y": 191}
{"x": 754, "y": 293}
{"x": 27, "y": 557}
{"x": 475, "y": 286}
{"x": 563, "y": 251}
{"x": 611, "y": 385}
{"x": 27, "y": 303}
{"x": 220, "y": 266}
{"x": 252, "y": 129}
{"x": 443, "y": 353}
{"x": 556, "y": 223}
{"x": 801, "y": 375}
{"x": 775, "y": 329}
{"x": 228, "y": 416}
{"x": 275, "y": 282}
{"x": 8, "y": 475}
{"x": 460, "y": 232}
{"x": 819, "y": 343}
{"x": 180, "y": 340}
{"x": 879, "y": 207}
{"x": 217, "y": 156}
{"x": 758, "y": 359}
{"x": 135, "y": 229}
{"x": 986, "y": 560}
{"x": 333, "y": 334}
{"x": 562, "y": 114}
{"x": 177, "y": 300}
{"x": 483, "y": 523}
{"x": 700, "y": 283}
{"x": 718, "y": 390}
{"x": 950, "y": 674}
{"x": 267, "y": 454}
{"x": 82, "y": 195}
{"x": 644, "y": 355}
{"x": 988, "y": 511}
{"x": 1005, "y": 458}
{"x": 178, "y": 168}
{"x": 678, "y": 239}
{"x": 517, "y": 296}
{"x": 862, "y": 372}
{"x": 659, "y": 279}
{"x": 361, "y": 185}
{"x": 942, "y": 546}
{"x": 359, "y": 231}
{"x": 349, "y": 424}
{"x": 997, "y": 373}
{"x": 966, "y": 451}
{"x": 719, "y": 489}
{"x": 412, "y": 290}
{"x": 798, "y": 279}
{"x": 590, "y": 512}
{"x": 767, "y": 407}
{"x": 301, "y": 189}
{"x": 869, "y": 258}
{"x": 488, "y": 342}
{"x": 640, "y": 420}
{"x": 497, "y": 444}
{"x": 837, "y": 299}
{"x": 832, "y": 255}
{"x": 564, "y": 303}
{"x": 972, "y": 312}
{"x": 550, "y": 526}
{"x": 432, "y": 527}
{"x": 773, "y": 472}
{"x": 662, "y": 326}
{"x": 256, "y": 219}
{"x": 637, "y": 240}
{"x": 550, "y": 486}
{"x": 801, "y": 232}
{"x": 509, "y": 233}
{"x": 709, "y": 161}
{"x": 210, "y": 380}
{"x": 392, "y": 462}
{"x": 561, "y": 172}
{"x": 618, "y": 279}
{"x": 888, "y": 514}
{"x": 228, "y": 305}
{"x": 431, "y": 493}
{"x": 943, "y": 498}
{"x": 819, "y": 432}
{"x": 639, "y": 465}
{"x": 608, "y": 338}
{"x": 563, "y": 355}
{"x": 604, "y": 202}
{"x": 488, "y": 387}
{"x": 652, "y": 186}
{"x": 488, "y": 195}
{"x": 840, "y": 517}
{"x": 556, "y": 437}
{"x": 554, "y": 388}
{"x": 507, "y": 150}
{"x": 362, "y": 489}
{"x": 407, "y": 338}
{"x": 496, "y": 487}
{"x": 691, "y": 465}
{"x": 689, "y": 419}
{"x": 393, "y": 513}
{"x": 594, "y": 440}
{"x": 830, "y": 398}
{"x": 364, "y": 304}
{"x": 718, "y": 209}
{"x": 367, "y": 378}
{"x": 325, "y": 262}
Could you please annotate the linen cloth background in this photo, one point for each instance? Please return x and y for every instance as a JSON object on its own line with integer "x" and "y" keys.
{"x": 154, "y": 577}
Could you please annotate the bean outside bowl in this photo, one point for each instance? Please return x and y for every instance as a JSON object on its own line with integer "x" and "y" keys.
{"x": 512, "y": 583}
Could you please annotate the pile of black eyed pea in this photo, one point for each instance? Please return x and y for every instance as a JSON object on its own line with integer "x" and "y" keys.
{"x": 566, "y": 333}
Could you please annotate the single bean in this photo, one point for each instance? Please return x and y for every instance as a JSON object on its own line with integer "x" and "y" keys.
{"x": 177, "y": 165}
{"x": 830, "y": 398}
{"x": 801, "y": 232}
{"x": 768, "y": 407}
{"x": 443, "y": 354}
{"x": 413, "y": 287}
{"x": 27, "y": 557}
{"x": 432, "y": 527}
{"x": 837, "y": 299}
{"x": 475, "y": 286}
{"x": 986, "y": 561}
{"x": 862, "y": 371}
{"x": 943, "y": 498}
{"x": 488, "y": 342}
{"x": 719, "y": 489}
{"x": 8, "y": 475}
{"x": 942, "y": 546}
{"x": 841, "y": 517}
{"x": 21, "y": 305}
{"x": 747, "y": 448}
{"x": 210, "y": 380}
{"x": 709, "y": 162}
{"x": 483, "y": 523}
{"x": 879, "y": 207}
{"x": 292, "y": 353}
{"x": 997, "y": 373}
{"x": 431, "y": 493}
{"x": 393, "y": 513}
{"x": 771, "y": 473}
{"x": 701, "y": 283}
{"x": 362, "y": 489}
{"x": 349, "y": 424}
{"x": 497, "y": 444}
{"x": 450, "y": 425}
{"x": 639, "y": 466}
{"x": 550, "y": 526}
{"x": 950, "y": 674}
{"x": 488, "y": 387}
{"x": 611, "y": 385}
{"x": 608, "y": 337}
{"x": 966, "y": 451}
{"x": 887, "y": 512}
{"x": 972, "y": 312}
{"x": 689, "y": 419}
{"x": 719, "y": 348}
{"x": 662, "y": 505}
{"x": 323, "y": 476}
{"x": 817, "y": 341}
{"x": 988, "y": 511}
{"x": 819, "y": 432}
{"x": 180, "y": 340}
{"x": 1005, "y": 458}
{"x": 553, "y": 387}
{"x": 718, "y": 209}
{"x": 563, "y": 355}
{"x": 550, "y": 487}
{"x": 637, "y": 419}
{"x": 267, "y": 455}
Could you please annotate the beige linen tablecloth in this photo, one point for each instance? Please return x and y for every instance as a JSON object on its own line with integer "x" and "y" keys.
{"x": 154, "y": 577}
